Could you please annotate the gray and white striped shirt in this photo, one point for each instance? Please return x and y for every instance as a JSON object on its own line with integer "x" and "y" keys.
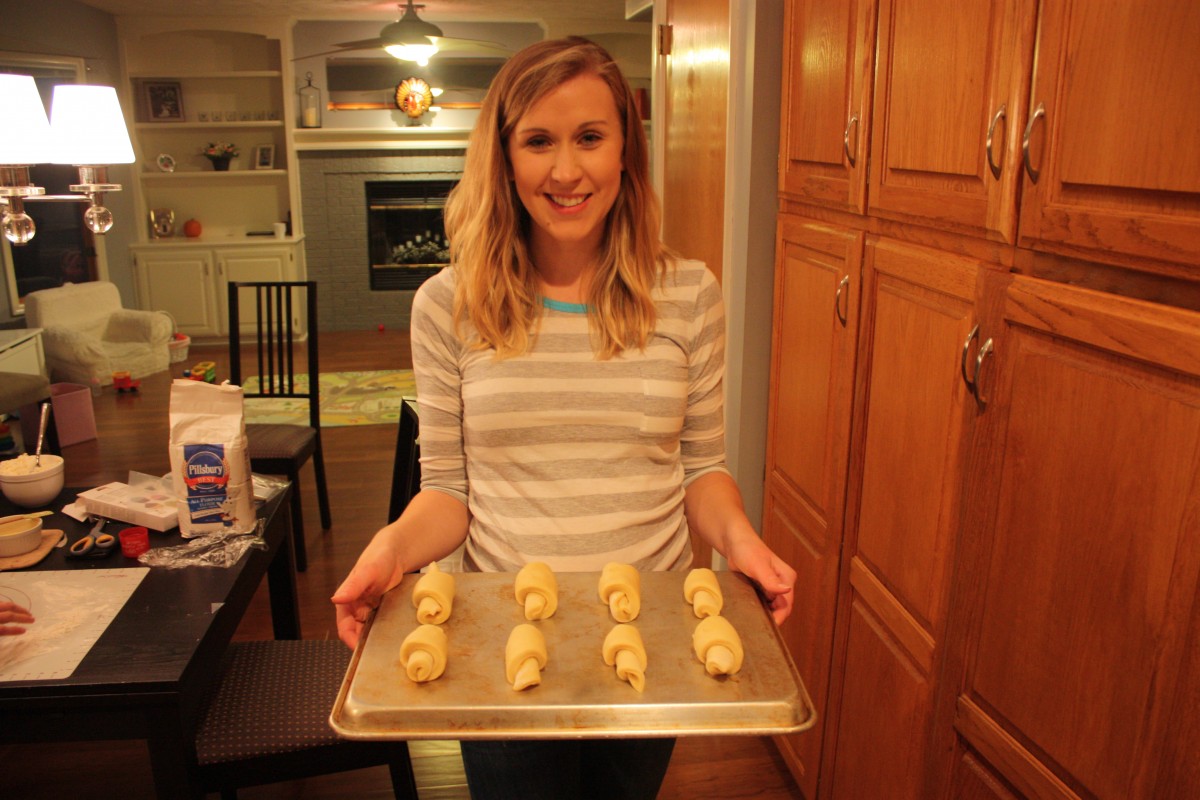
{"x": 565, "y": 458}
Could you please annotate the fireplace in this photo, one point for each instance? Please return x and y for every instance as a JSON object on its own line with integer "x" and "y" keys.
{"x": 406, "y": 237}
{"x": 337, "y": 242}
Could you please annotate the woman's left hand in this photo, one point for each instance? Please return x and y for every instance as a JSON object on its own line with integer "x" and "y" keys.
{"x": 774, "y": 577}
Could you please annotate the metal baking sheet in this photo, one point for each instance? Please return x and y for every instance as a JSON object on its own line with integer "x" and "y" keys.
{"x": 579, "y": 696}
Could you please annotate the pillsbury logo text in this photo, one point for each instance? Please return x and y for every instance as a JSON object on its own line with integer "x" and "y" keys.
{"x": 205, "y": 470}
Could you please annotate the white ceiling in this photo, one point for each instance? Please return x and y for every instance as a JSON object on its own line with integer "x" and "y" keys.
{"x": 590, "y": 11}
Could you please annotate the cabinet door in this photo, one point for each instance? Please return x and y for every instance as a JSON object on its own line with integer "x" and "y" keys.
{"x": 1113, "y": 143}
{"x": 911, "y": 427}
{"x": 1081, "y": 549}
{"x": 949, "y": 107}
{"x": 181, "y": 284}
{"x": 812, "y": 375}
{"x": 250, "y": 264}
{"x": 829, "y": 61}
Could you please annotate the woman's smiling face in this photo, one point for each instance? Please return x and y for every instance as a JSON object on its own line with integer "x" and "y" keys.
{"x": 567, "y": 155}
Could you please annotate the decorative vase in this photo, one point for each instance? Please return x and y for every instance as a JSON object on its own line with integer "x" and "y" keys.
{"x": 221, "y": 164}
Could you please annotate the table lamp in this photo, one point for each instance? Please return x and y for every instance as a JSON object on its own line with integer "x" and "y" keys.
{"x": 86, "y": 129}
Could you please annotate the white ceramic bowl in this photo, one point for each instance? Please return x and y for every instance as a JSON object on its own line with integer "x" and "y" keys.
{"x": 19, "y": 535}
{"x": 38, "y": 488}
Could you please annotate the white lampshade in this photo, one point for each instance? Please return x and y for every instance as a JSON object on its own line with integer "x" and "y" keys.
{"x": 87, "y": 127}
{"x": 24, "y": 132}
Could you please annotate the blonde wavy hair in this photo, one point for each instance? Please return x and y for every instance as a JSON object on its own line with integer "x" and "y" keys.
{"x": 487, "y": 225}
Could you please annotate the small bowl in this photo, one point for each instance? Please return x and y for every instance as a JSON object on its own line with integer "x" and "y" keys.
{"x": 35, "y": 489}
{"x": 19, "y": 535}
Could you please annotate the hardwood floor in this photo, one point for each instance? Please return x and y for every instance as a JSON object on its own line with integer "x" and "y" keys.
{"x": 133, "y": 434}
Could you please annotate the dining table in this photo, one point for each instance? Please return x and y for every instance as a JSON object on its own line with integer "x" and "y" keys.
{"x": 147, "y": 674}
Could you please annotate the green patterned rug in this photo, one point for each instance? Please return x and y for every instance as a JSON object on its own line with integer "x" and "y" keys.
{"x": 347, "y": 398}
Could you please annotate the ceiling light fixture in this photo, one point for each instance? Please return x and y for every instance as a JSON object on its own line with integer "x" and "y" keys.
{"x": 410, "y": 38}
{"x": 86, "y": 129}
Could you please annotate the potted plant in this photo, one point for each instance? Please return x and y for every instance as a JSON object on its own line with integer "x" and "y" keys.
{"x": 220, "y": 154}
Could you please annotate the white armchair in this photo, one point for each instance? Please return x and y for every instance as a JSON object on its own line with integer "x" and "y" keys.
{"x": 87, "y": 335}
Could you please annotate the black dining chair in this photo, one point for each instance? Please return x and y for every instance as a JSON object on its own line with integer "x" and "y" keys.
{"x": 406, "y": 465}
{"x": 265, "y": 316}
{"x": 266, "y": 720}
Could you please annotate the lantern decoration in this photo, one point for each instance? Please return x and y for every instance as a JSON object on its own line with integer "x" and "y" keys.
{"x": 309, "y": 99}
{"x": 414, "y": 97}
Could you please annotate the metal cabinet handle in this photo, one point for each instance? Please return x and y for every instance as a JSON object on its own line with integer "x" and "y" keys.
{"x": 966, "y": 348}
{"x": 1040, "y": 111}
{"x": 846, "y": 139}
{"x": 837, "y": 301}
{"x": 992, "y": 165}
{"x": 985, "y": 350}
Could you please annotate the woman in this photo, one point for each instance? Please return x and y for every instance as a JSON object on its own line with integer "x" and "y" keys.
{"x": 569, "y": 375}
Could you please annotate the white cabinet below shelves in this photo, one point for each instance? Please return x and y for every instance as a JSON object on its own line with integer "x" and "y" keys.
{"x": 179, "y": 283}
{"x": 191, "y": 282}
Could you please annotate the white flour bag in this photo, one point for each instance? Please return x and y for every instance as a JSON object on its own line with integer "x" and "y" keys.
{"x": 210, "y": 465}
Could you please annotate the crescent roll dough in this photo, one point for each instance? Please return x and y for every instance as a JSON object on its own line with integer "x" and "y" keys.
{"x": 701, "y": 589}
{"x": 621, "y": 588}
{"x": 623, "y": 649}
{"x": 423, "y": 653}
{"x": 718, "y": 645}
{"x": 433, "y": 596}
{"x": 537, "y": 590}
{"x": 524, "y": 657}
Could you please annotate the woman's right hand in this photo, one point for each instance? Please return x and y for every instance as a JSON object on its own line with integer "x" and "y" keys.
{"x": 432, "y": 525}
{"x": 378, "y": 569}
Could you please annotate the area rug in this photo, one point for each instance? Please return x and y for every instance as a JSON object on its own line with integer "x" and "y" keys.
{"x": 347, "y": 398}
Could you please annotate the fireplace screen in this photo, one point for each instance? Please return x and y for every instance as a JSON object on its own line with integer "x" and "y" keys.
{"x": 406, "y": 232}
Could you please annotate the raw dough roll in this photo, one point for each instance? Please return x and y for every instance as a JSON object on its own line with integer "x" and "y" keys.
{"x": 423, "y": 653}
{"x": 623, "y": 649}
{"x": 433, "y": 596}
{"x": 621, "y": 588}
{"x": 718, "y": 645}
{"x": 537, "y": 590}
{"x": 524, "y": 657}
{"x": 702, "y": 590}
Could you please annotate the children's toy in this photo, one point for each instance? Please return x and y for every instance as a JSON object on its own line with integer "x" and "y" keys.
{"x": 122, "y": 382}
{"x": 205, "y": 371}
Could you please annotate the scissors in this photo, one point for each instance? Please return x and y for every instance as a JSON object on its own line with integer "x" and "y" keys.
{"x": 96, "y": 544}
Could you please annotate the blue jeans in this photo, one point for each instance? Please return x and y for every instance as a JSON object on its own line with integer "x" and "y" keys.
{"x": 604, "y": 769}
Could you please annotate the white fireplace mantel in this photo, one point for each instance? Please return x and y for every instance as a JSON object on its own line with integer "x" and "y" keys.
{"x": 415, "y": 138}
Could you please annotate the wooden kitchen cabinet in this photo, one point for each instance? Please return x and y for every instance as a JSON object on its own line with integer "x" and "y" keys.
{"x": 1016, "y": 606}
{"x": 914, "y": 414}
{"x": 817, "y": 287}
{"x": 1116, "y": 107}
{"x": 949, "y": 106}
{"x": 829, "y": 50}
{"x": 1080, "y": 553}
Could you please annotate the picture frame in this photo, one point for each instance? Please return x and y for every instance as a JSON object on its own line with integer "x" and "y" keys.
{"x": 264, "y": 156}
{"x": 163, "y": 101}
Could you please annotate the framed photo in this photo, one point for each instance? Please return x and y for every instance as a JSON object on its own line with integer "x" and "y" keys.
{"x": 164, "y": 101}
{"x": 264, "y": 156}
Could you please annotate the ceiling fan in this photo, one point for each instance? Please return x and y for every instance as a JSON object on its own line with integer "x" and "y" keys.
{"x": 411, "y": 38}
